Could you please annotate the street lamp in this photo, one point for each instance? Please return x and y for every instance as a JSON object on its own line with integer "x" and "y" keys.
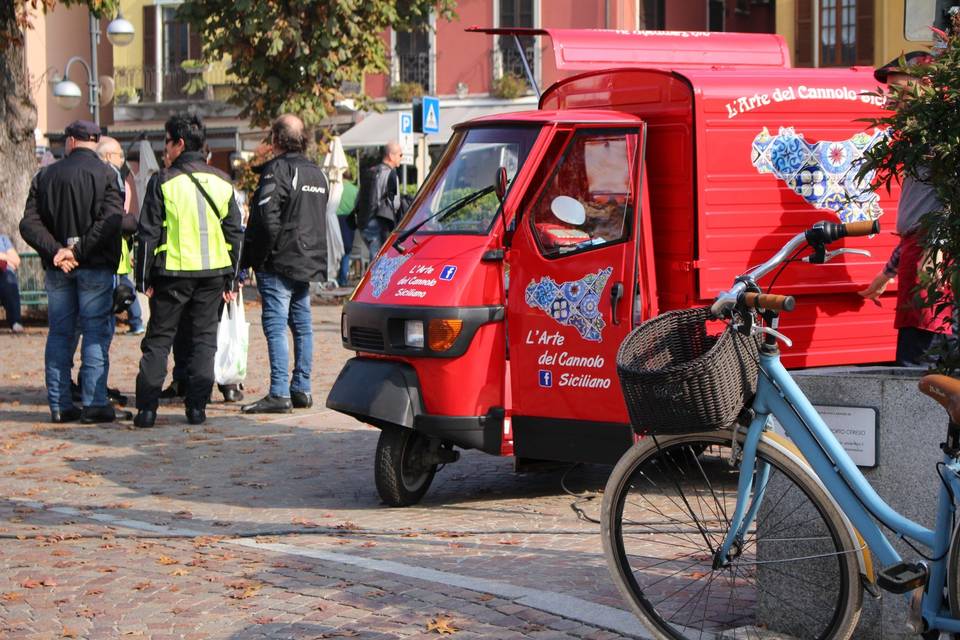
{"x": 66, "y": 92}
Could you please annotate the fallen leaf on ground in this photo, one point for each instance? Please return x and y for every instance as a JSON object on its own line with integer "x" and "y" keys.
{"x": 93, "y": 592}
{"x": 508, "y": 542}
{"x": 263, "y": 620}
{"x": 141, "y": 586}
{"x": 442, "y": 625}
{"x": 11, "y": 596}
{"x": 167, "y": 560}
{"x": 69, "y": 633}
{"x": 30, "y": 583}
{"x": 179, "y": 572}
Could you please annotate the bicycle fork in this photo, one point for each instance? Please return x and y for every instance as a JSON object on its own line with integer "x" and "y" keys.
{"x": 745, "y": 513}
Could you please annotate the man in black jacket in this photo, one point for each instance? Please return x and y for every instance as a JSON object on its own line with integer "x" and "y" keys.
{"x": 285, "y": 243}
{"x": 72, "y": 219}
{"x": 378, "y": 202}
{"x": 190, "y": 239}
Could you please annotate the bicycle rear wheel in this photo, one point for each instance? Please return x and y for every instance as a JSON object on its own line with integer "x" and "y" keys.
{"x": 666, "y": 510}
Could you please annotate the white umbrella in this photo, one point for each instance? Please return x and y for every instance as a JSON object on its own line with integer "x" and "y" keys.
{"x": 148, "y": 167}
{"x": 335, "y": 166}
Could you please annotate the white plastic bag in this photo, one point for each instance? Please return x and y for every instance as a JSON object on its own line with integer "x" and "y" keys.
{"x": 233, "y": 335}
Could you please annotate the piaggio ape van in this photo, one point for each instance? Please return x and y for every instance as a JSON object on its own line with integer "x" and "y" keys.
{"x": 670, "y": 163}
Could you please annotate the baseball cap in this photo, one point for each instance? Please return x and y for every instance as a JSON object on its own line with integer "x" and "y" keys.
{"x": 83, "y": 130}
{"x": 910, "y": 59}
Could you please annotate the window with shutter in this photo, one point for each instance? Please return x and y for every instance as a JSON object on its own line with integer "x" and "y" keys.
{"x": 844, "y": 34}
{"x": 516, "y": 13}
{"x": 149, "y": 71}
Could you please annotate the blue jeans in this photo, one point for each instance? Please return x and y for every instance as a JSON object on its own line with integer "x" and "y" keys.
{"x": 286, "y": 303}
{"x": 10, "y": 295}
{"x": 78, "y": 302}
{"x": 346, "y": 232}
{"x": 134, "y": 313}
{"x": 375, "y": 234}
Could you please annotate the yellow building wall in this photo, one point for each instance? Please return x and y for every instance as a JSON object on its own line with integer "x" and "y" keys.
{"x": 888, "y": 40}
{"x": 132, "y": 55}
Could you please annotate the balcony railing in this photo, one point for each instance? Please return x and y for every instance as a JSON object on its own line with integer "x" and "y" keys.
{"x": 140, "y": 84}
{"x": 411, "y": 67}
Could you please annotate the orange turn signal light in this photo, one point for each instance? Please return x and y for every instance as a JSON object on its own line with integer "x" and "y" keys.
{"x": 441, "y": 334}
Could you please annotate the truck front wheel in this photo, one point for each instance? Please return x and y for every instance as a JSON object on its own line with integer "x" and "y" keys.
{"x": 403, "y": 469}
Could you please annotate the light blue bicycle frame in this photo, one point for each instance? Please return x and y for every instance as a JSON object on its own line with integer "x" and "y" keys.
{"x": 779, "y": 395}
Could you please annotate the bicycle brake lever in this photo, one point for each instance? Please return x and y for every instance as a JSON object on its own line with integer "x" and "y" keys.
{"x": 773, "y": 332}
{"x": 830, "y": 255}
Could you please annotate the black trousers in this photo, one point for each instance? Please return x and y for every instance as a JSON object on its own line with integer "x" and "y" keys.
{"x": 199, "y": 299}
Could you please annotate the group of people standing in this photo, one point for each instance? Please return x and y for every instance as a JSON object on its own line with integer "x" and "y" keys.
{"x": 191, "y": 256}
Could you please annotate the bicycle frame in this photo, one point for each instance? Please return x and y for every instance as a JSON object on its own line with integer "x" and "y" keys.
{"x": 778, "y": 395}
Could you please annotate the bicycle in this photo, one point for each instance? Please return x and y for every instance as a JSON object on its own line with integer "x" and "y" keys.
{"x": 734, "y": 531}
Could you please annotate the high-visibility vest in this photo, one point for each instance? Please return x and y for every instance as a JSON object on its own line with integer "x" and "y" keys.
{"x": 125, "y": 266}
{"x": 193, "y": 236}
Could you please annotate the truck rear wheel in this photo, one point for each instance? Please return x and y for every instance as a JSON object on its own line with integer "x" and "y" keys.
{"x": 402, "y": 469}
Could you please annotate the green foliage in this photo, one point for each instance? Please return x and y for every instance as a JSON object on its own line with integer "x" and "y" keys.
{"x": 404, "y": 91}
{"x": 925, "y": 145}
{"x": 509, "y": 86}
{"x": 294, "y": 56}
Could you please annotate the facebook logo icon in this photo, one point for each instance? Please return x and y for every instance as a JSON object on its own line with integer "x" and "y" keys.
{"x": 546, "y": 378}
{"x": 448, "y": 272}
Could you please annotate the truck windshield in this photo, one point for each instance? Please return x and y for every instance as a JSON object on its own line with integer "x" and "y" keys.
{"x": 461, "y": 189}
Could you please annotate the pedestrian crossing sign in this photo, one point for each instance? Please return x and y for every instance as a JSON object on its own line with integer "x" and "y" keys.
{"x": 431, "y": 115}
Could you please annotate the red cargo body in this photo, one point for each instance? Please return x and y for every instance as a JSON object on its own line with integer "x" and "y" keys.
{"x": 631, "y": 191}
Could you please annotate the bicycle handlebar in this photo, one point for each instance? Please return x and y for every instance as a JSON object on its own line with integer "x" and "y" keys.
{"x": 770, "y": 301}
{"x": 821, "y": 233}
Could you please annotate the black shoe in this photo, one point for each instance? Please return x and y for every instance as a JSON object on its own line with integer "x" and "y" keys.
{"x": 176, "y": 390}
{"x": 301, "y": 400}
{"x": 115, "y": 397}
{"x": 91, "y": 415}
{"x": 231, "y": 392}
{"x": 71, "y": 414}
{"x": 196, "y": 415}
{"x": 269, "y": 404}
{"x": 145, "y": 418}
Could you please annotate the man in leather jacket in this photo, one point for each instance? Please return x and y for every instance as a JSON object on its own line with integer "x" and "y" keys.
{"x": 72, "y": 219}
{"x": 378, "y": 203}
{"x": 286, "y": 244}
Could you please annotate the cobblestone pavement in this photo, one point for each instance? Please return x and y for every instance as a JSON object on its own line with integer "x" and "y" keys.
{"x": 271, "y": 528}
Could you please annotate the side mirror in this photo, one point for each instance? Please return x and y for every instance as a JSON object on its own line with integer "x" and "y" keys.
{"x": 569, "y": 210}
{"x": 500, "y": 183}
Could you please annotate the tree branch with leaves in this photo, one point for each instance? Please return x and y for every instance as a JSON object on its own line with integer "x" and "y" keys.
{"x": 295, "y": 56}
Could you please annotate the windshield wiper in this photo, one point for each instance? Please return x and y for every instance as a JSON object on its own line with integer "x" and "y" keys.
{"x": 451, "y": 208}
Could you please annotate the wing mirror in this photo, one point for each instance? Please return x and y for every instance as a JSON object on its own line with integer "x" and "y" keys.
{"x": 500, "y": 182}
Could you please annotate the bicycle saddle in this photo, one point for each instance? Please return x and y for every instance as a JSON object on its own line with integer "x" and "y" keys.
{"x": 946, "y": 391}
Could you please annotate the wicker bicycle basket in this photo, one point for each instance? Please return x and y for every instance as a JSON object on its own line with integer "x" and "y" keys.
{"x": 678, "y": 378}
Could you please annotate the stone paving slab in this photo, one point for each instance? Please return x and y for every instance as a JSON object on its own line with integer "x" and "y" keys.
{"x": 88, "y": 512}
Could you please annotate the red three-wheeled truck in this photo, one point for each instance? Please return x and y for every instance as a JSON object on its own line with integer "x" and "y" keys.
{"x": 665, "y": 165}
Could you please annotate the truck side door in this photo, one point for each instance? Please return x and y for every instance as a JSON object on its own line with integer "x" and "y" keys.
{"x": 572, "y": 274}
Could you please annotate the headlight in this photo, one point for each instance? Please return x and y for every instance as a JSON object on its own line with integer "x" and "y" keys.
{"x": 413, "y": 333}
{"x": 443, "y": 333}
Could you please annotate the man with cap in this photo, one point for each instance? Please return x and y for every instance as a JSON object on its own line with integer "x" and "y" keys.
{"x": 918, "y": 328}
{"x": 72, "y": 219}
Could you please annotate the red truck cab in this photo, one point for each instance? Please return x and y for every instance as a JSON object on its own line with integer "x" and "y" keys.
{"x": 492, "y": 317}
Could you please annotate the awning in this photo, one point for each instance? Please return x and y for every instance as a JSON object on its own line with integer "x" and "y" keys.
{"x": 376, "y": 129}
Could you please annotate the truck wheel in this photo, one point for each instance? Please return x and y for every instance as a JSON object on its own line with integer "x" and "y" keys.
{"x": 401, "y": 471}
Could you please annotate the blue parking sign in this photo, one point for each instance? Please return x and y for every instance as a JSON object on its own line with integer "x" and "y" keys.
{"x": 406, "y": 123}
{"x": 431, "y": 115}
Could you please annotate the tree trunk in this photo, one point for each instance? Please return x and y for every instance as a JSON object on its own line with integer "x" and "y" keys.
{"x": 18, "y": 119}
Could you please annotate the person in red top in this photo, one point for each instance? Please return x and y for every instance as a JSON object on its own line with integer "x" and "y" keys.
{"x": 919, "y": 328}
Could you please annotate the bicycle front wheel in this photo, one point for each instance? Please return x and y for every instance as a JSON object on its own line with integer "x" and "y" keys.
{"x": 666, "y": 511}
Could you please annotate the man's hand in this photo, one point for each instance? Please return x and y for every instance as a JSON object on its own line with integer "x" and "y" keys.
{"x": 229, "y": 296}
{"x": 12, "y": 258}
{"x": 877, "y": 287}
{"x": 65, "y": 260}
{"x": 148, "y": 292}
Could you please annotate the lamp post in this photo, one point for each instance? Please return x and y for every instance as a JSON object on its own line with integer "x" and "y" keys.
{"x": 120, "y": 33}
